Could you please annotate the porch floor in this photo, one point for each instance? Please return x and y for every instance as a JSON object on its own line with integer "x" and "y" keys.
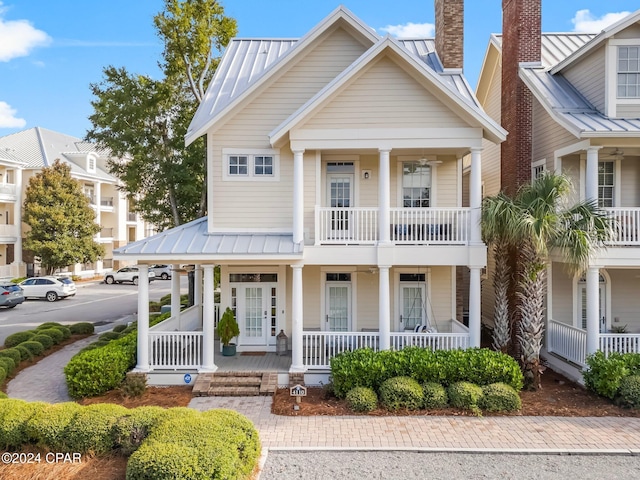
{"x": 252, "y": 361}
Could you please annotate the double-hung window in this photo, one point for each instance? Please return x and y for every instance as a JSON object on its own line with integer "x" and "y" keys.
{"x": 416, "y": 185}
{"x": 250, "y": 164}
{"x": 629, "y": 72}
{"x": 606, "y": 183}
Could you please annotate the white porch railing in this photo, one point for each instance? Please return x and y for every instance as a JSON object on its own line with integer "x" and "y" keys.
{"x": 432, "y": 341}
{"x": 319, "y": 347}
{"x": 8, "y": 189}
{"x": 430, "y": 225}
{"x": 567, "y": 341}
{"x": 627, "y": 225}
{"x": 346, "y": 225}
{"x": 9, "y": 231}
{"x": 619, "y": 342}
{"x": 175, "y": 350}
{"x": 458, "y": 327}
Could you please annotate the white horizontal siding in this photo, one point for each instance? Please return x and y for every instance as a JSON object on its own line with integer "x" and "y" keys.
{"x": 588, "y": 76}
{"x": 625, "y": 302}
{"x": 491, "y": 151}
{"x": 627, "y": 111}
{"x": 563, "y": 302}
{"x": 630, "y": 182}
{"x": 548, "y": 135}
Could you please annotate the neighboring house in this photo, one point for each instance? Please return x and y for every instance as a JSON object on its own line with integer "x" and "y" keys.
{"x": 335, "y": 197}
{"x": 10, "y": 237}
{"x": 37, "y": 148}
{"x": 578, "y": 113}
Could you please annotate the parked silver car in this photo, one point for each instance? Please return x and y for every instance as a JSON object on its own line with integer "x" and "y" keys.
{"x": 49, "y": 288}
{"x": 161, "y": 271}
{"x": 126, "y": 274}
{"x": 10, "y": 295}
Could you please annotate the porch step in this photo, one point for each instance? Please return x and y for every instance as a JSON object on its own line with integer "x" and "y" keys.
{"x": 235, "y": 384}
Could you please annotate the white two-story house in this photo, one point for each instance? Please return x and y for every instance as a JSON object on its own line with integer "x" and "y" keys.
{"x": 334, "y": 197}
{"x": 11, "y": 265}
{"x": 585, "y": 122}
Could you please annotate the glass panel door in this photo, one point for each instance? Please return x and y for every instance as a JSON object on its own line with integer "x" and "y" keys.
{"x": 412, "y": 311}
{"x": 338, "y": 307}
{"x": 582, "y": 287}
{"x": 340, "y": 197}
{"x": 256, "y": 314}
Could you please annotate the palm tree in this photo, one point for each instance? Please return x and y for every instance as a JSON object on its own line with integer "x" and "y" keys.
{"x": 537, "y": 222}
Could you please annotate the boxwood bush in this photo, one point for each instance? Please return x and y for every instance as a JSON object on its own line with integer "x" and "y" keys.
{"x": 109, "y": 336}
{"x": 465, "y": 395}
{"x": 7, "y": 364}
{"x": 48, "y": 427}
{"x": 366, "y": 368}
{"x": 17, "y": 338}
{"x": 3, "y": 396}
{"x": 604, "y": 374}
{"x": 55, "y": 334}
{"x": 629, "y": 392}
{"x": 362, "y": 399}
{"x": 48, "y": 325}
{"x": 66, "y": 332}
{"x": 401, "y": 392}
{"x": 119, "y": 328}
{"x": 435, "y": 395}
{"x": 500, "y": 397}
{"x": 14, "y": 415}
{"x": 92, "y": 429}
{"x": 3, "y": 374}
{"x": 82, "y": 328}
{"x": 12, "y": 353}
{"x": 35, "y": 348}
{"x": 25, "y": 353}
{"x": 132, "y": 429}
{"x": 43, "y": 340}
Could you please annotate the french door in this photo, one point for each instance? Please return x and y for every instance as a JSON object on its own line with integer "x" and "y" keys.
{"x": 338, "y": 307}
{"x": 412, "y": 311}
{"x": 256, "y": 311}
{"x": 582, "y": 298}
{"x": 340, "y": 199}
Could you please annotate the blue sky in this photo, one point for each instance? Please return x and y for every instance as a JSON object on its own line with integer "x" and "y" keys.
{"x": 50, "y": 51}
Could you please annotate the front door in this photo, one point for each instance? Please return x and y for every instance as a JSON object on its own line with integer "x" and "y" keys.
{"x": 412, "y": 311}
{"x": 582, "y": 298}
{"x": 340, "y": 196}
{"x": 338, "y": 307}
{"x": 256, "y": 312}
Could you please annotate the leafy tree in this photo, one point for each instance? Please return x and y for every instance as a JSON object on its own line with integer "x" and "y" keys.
{"x": 61, "y": 220}
{"x": 143, "y": 121}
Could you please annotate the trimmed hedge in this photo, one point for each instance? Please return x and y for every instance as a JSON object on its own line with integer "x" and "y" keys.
{"x": 48, "y": 325}
{"x": 629, "y": 392}
{"x": 435, "y": 395}
{"x": 66, "y": 332}
{"x": 17, "y": 338}
{"x": 25, "y": 353}
{"x": 82, "y": 328}
{"x": 132, "y": 429}
{"x": 14, "y": 415}
{"x": 48, "y": 427}
{"x": 7, "y": 364}
{"x": 55, "y": 334}
{"x": 109, "y": 336}
{"x": 91, "y": 430}
{"x": 465, "y": 395}
{"x": 604, "y": 374}
{"x": 500, "y": 397}
{"x": 43, "y": 340}
{"x": 401, "y": 392}
{"x": 3, "y": 374}
{"x": 119, "y": 328}
{"x": 366, "y": 368}
{"x": 3, "y": 396}
{"x": 35, "y": 348}
{"x": 362, "y": 399}
{"x": 12, "y": 353}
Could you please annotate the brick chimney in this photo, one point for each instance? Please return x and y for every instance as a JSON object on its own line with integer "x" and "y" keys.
{"x": 450, "y": 32}
{"x": 521, "y": 42}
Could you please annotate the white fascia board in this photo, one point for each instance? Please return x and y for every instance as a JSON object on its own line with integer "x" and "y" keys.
{"x": 201, "y": 258}
{"x": 340, "y": 12}
{"x": 483, "y": 70}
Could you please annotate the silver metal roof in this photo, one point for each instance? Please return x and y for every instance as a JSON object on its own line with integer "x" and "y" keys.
{"x": 192, "y": 241}
{"x": 6, "y": 158}
{"x": 555, "y": 47}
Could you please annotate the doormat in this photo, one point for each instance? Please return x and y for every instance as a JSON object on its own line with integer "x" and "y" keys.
{"x": 253, "y": 354}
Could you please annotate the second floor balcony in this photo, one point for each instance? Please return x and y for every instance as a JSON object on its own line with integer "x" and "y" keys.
{"x": 626, "y": 225}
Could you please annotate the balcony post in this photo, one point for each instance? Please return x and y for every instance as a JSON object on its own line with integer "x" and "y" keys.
{"x": 197, "y": 285}
{"x": 475, "y": 195}
{"x": 298, "y": 196}
{"x": 384, "y": 304}
{"x": 208, "y": 364}
{"x": 384, "y": 194}
{"x": 17, "y": 217}
{"x": 175, "y": 293}
{"x": 591, "y": 174}
{"x": 297, "y": 320}
{"x": 98, "y": 202}
{"x": 474, "y": 306}
{"x": 143, "y": 319}
{"x": 593, "y": 309}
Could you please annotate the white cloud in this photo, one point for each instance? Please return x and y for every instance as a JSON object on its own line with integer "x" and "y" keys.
{"x": 8, "y": 118}
{"x": 19, "y": 37}
{"x": 410, "y": 30}
{"x": 585, "y": 21}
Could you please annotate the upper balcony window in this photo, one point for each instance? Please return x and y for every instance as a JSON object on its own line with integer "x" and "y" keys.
{"x": 91, "y": 163}
{"x": 629, "y": 72}
{"x": 416, "y": 185}
{"x": 250, "y": 164}
{"x": 606, "y": 183}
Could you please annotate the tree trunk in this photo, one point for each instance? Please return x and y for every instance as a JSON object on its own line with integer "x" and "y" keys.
{"x": 501, "y": 278}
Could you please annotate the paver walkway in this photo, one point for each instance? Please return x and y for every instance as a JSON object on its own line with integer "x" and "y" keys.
{"x": 45, "y": 381}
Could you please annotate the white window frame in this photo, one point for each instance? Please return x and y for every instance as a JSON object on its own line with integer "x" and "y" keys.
{"x": 433, "y": 189}
{"x": 91, "y": 163}
{"x": 251, "y": 154}
{"x": 536, "y": 165}
{"x": 613, "y": 185}
{"x": 627, "y": 72}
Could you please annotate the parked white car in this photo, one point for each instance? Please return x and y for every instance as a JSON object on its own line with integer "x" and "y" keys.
{"x": 126, "y": 274}
{"x": 49, "y": 288}
{"x": 161, "y": 271}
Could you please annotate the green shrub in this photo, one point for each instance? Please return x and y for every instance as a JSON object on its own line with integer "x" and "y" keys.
{"x": 25, "y": 354}
{"x": 3, "y": 396}
{"x": 3, "y": 374}
{"x": 629, "y": 391}
{"x": 604, "y": 374}
{"x": 94, "y": 372}
{"x": 14, "y": 415}
{"x": 134, "y": 385}
{"x": 109, "y": 336}
{"x": 55, "y": 334}
{"x": 92, "y": 429}
{"x": 44, "y": 325}
{"x": 35, "y": 348}
{"x": 362, "y": 399}
{"x": 18, "y": 280}
{"x": 13, "y": 354}
{"x": 154, "y": 306}
{"x": 500, "y": 397}
{"x": 43, "y": 340}
{"x": 82, "y": 328}
{"x": 435, "y": 395}
{"x": 366, "y": 368}
{"x": 119, "y": 328}
{"x": 465, "y": 395}
{"x": 401, "y": 392}
{"x": 165, "y": 461}
{"x": 17, "y": 338}
{"x": 48, "y": 427}
{"x": 133, "y": 428}
{"x": 7, "y": 364}
{"x": 66, "y": 331}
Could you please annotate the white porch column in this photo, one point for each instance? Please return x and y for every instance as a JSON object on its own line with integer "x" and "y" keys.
{"x": 143, "y": 319}
{"x": 197, "y": 285}
{"x": 474, "y": 306}
{"x": 475, "y": 195}
{"x": 384, "y": 305}
{"x": 208, "y": 364}
{"x": 297, "y": 320}
{"x": 591, "y": 174}
{"x": 384, "y": 197}
{"x": 593, "y": 309}
{"x": 17, "y": 218}
{"x": 298, "y": 196}
{"x": 98, "y": 193}
{"x": 175, "y": 293}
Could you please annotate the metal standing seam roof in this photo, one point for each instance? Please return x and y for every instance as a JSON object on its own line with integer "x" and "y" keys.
{"x": 7, "y": 157}
{"x": 193, "y": 240}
